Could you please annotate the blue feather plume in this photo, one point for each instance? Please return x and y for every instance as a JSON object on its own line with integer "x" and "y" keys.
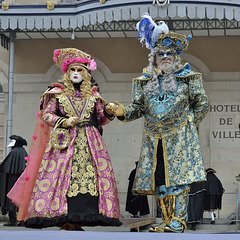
{"x": 145, "y": 29}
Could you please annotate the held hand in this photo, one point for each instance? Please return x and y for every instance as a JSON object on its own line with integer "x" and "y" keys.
{"x": 110, "y": 108}
{"x": 70, "y": 122}
{"x": 115, "y": 109}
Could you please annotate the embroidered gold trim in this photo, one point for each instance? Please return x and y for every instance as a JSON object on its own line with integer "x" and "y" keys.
{"x": 144, "y": 192}
{"x": 164, "y": 210}
{"x": 83, "y": 178}
{"x": 154, "y": 162}
{"x": 83, "y": 106}
{"x": 87, "y": 111}
{"x": 166, "y": 134}
{"x": 165, "y": 158}
{"x": 181, "y": 221}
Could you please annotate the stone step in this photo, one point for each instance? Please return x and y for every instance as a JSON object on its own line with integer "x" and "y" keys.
{"x": 218, "y": 221}
{"x": 221, "y": 226}
{"x": 210, "y": 228}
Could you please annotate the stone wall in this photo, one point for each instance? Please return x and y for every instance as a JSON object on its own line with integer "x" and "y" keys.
{"x": 219, "y": 135}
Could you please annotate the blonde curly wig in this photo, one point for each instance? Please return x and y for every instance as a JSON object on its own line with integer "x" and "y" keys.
{"x": 85, "y": 88}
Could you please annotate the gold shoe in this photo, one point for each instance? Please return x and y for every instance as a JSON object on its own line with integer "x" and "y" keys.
{"x": 168, "y": 229}
{"x": 151, "y": 229}
{"x": 159, "y": 228}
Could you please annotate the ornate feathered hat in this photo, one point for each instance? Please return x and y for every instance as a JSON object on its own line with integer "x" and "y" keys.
{"x": 66, "y": 56}
{"x": 158, "y": 35}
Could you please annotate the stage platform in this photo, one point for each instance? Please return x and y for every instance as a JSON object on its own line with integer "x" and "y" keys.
{"x": 128, "y": 231}
{"x": 89, "y": 235}
{"x": 134, "y": 224}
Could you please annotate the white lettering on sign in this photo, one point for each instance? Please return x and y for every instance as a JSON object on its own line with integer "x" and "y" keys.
{"x": 161, "y": 3}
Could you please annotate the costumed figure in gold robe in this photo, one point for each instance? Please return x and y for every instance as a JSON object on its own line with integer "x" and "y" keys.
{"x": 69, "y": 180}
{"x": 171, "y": 98}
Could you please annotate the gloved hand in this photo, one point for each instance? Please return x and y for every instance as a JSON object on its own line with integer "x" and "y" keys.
{"x": 115, "y": 109}
{"x": 70, "y": 122}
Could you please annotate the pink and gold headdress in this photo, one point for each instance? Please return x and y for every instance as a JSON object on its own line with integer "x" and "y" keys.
{"x": 66, "y": 56}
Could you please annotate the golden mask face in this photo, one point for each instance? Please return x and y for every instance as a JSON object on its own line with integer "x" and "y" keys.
{"x": 5, "y": 5}
{"x": 50, "y": 4}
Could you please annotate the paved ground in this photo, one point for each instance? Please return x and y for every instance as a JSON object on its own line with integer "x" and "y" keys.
{"x": 221, "y": 226}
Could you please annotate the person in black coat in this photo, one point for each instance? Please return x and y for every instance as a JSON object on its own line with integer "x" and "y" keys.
{"x": 136, "y": 203}
{"x": 196, "y": 203}
{"x": 10, "y": 170}
{"x": 214, "y": 192}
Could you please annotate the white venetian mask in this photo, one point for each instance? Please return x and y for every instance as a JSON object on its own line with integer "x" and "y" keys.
{"x": 76, "y": 74}
{"x": 12, "y": 143}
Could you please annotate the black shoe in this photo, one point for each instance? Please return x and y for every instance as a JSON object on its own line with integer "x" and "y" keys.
{"x": 10, "y": 224}
{"x": 21, "y": 224}
{"x": 133, "y": 230}
{"x": 193, "y": 227}
{"x": 212, "y": 222}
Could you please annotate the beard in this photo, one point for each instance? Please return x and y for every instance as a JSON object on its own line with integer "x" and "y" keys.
{"x": 165, "y": 66}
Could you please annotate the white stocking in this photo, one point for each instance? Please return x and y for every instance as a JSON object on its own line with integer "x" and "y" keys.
{"x": 211, "y": 215}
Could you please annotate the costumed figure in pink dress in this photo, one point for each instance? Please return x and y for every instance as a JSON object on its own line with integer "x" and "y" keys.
{"x": 69, "y": 180}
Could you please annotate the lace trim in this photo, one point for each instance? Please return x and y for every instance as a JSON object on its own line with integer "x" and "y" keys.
{"x": 77, "y": 107}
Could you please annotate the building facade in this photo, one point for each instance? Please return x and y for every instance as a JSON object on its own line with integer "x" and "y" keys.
{"x": 31, "y": 30}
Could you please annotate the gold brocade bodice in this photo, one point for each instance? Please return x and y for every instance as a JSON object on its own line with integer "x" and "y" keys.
{"x": 77, "y": 106}
{"x": 83, "y": 177}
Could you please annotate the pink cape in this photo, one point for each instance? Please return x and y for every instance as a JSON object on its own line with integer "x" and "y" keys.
{"x": 21, "y": 192}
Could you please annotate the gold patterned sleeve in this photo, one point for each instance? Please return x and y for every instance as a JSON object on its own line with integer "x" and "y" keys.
{"x": 50, "y": 113}
{"x": 198, "y": 98}
{"x": 136, "y": 109}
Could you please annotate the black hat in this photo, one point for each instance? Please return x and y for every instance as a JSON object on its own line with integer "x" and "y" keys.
{"x": 210, "y": 170}
{"x": 19, "y": 139}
